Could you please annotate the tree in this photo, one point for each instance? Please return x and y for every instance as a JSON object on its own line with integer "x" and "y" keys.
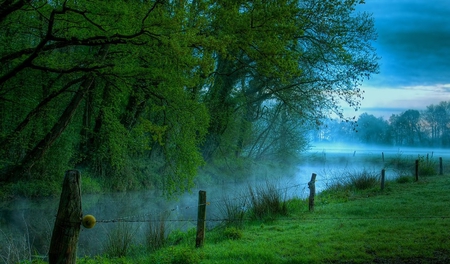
{"x": 406, "y": 128}
{"x": 307, "y": 56}
{"x": 142, "y": 92}
{"x": 437, "y": 118}
{"x": 128, "y": 64}
{"x": 372, "y": 130}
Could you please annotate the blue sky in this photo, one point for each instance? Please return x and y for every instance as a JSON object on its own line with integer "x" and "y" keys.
{"x": 414, "y": 46}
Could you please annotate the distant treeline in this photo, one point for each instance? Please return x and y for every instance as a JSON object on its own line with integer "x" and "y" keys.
{"x": 430, "y": 127}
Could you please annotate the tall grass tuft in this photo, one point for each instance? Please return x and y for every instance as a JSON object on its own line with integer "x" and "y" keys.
{"x": 15, "y": 249}
{"x": 157, "y": 233}
{"x": 363, "y": 180}
{"x": 427, "y": 167}
{"x": 267, "y": 201}
{"x": 233, "y": 211}
{"x": 119, "y": 241}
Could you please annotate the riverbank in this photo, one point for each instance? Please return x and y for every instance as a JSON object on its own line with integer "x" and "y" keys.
{"x": 408, "y": 222}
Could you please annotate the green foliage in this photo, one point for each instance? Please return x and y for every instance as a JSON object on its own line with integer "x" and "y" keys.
{"x": 364, "y": 179}
{"x": 140, "y": 94}
{"x": 184, "y": 255}
{"x": 233, "y": 210}
{"x": 267, "y": 201}
{"x": 120, "y": 240}
{"x": 232, "y": 233}
{"x": 404, "y": 179}
{"x": 185, "y": 238}
{"x": 157, "y": 233}
{"x": 344, "y": 185}
{"x": 427, "y": 167}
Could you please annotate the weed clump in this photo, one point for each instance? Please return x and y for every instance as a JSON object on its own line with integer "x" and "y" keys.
{"x": 232, "y": 233}
{"x": 157, "y": 233}
{"x": 185, "y": 255}
{"x": 266, "y": 202}
{"x": 233, "y": 212}
{"x": 120, "y": 240}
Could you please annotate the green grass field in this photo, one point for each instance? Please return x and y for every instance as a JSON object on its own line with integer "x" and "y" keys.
{"x": 407, "y": 222}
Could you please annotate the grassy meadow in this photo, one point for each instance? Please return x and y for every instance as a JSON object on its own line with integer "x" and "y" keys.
{"x": 353, "y": 221}
{"x": 407, "y": 222}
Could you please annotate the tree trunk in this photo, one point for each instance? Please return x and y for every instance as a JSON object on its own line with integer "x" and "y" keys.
{"x": 219, "y": 106}
{"x": 63, "y": 245}
{"x": 33, "y": 156}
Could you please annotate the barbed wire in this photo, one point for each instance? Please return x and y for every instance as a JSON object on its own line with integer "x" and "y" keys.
{"x": 243, "y": 198}
{"x": 121, "y": 220}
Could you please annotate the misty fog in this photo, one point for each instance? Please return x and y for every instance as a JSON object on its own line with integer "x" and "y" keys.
{"x": 31, "y": 220}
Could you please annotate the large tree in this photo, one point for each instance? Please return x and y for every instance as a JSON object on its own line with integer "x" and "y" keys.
{"x": 437, "y": 118}
{"x": 111, "y": 81}
{"x": 308, "y": 57}
{"x": 148, "y": 89}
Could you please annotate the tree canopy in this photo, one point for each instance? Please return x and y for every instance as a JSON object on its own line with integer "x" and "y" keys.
{"x": 143, "y": 93}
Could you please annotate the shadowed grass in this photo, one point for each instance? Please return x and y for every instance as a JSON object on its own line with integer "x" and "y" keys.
{"x": 405, "y": 223}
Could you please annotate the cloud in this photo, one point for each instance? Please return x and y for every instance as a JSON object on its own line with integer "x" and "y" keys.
{"x": 413, "y": 41}
{"x": 385, "y": 101}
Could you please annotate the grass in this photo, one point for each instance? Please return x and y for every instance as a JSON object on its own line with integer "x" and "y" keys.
{"x": 408, "y": 222}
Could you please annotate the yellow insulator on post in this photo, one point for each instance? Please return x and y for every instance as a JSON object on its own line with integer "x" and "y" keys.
{"x": 89, "y": 221}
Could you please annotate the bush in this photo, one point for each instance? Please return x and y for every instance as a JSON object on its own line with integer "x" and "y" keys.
{"x": 363, "y": 180}
{"x": 185, "y": 256}
{"x": 356, "y": 180}
{"x": 232, "y": 233}
{"x": 157, "y": 233}
{"x": 403, "y": 179}
{"x": 119, "y": 241}
{"x": 267, "y": 201}
{"x": 233, "y": 211}
{"x": 427, "y": 167}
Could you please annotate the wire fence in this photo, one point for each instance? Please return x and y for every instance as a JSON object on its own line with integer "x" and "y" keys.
{"x": 151, "y": 217}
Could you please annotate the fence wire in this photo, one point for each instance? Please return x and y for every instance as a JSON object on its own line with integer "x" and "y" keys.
{"x": 147, "y": 217}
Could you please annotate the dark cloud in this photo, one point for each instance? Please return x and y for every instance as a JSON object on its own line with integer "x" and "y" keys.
{"x": 413, "y": 41}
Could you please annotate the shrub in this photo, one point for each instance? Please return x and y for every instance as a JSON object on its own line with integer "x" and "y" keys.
{"x": 267, "y": 201}
{"x": 177, "y": 237}
{"x": 233, "y": 211}
{"x": 184, "y": 255}
{"x": 403, "y": 179}
{"x": 232, "y": 233}
{"x": 157, "y": 233}
{"x": 363, "y": 180}
{"x": 119, "y": 241}
{"x": 427, "y": 167}
{"x": 15, "y": 249}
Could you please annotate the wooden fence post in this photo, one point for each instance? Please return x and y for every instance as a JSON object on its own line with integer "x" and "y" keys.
{"x": 417, "y": 170}
{"x": 441, "y": 169}
{"x": 312, "y": 191}
{"x": 201, "y": 219}
{"x": 382, "y": 156}
{"x": 383, "y": 176}
{"x": 63, "y": 245}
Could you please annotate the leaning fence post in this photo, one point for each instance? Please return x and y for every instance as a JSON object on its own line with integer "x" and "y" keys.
{"x": 63, "y": 245}
{"x": 441, "y": 170}
{"x": 201, "y": 219}
{"x": 312, "y": 191}
{"x": 383, "y": 176}
{"x": 417, "y": 170}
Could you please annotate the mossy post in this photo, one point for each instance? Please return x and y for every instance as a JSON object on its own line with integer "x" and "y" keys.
{"x": 312, "y": 191}
{"x": 63, "y": 246}
{"x": 441, "y": 169}
{"x": 417, "y": 170}
{"x": 201, "y": 219}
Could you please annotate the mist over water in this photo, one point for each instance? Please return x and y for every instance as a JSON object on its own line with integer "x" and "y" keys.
{"x": 32, "y": 220}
